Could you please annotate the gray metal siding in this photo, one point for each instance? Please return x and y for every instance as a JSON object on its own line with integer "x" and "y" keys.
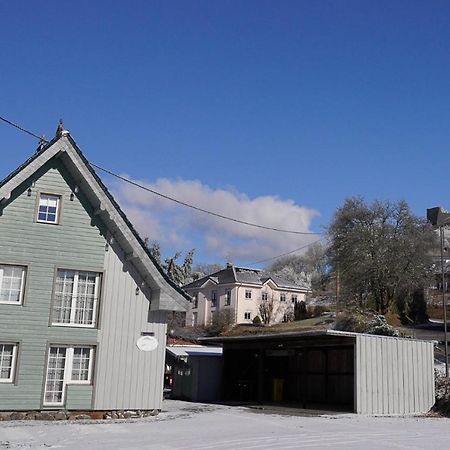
{"x": 126, "y": 377}
{"x": 393, "y": 376}
{"x": 74, "y": 243}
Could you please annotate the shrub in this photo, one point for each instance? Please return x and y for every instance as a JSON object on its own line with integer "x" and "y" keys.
{"x": 316, "y": 311}
{"x": 442, "y": 385}
{"x": 378, "y": 325}
{"x": 221, "y": 321}
{"x": 300, "y": 311}
{"x": 369, "y": 323}
{"x": 257, "y": 321}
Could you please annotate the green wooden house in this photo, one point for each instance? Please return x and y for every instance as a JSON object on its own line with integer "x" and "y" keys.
{"x": 83, "y": 304}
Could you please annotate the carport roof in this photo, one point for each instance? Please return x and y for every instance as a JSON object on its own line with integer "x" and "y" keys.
{"x": 296, "y": 335}
{"x": 193, "y": 350}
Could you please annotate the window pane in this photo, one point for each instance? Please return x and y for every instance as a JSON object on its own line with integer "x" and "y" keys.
{"x": 54, "y": 385}
{"x": 80, "y": 364}
{"x": 11, "y": 283}
{"x": 6, "y": 361}
{"x": 65, "y": 280}
{"x": 48, "y": 207}
{"x": 76, "y": 297}
{"x": 84, "y": 307}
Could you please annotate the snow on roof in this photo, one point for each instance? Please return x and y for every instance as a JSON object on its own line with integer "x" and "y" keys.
{"x": 193, "y": 350}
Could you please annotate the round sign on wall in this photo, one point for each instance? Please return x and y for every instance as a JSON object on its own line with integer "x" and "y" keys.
{"x": 147, "y": 343}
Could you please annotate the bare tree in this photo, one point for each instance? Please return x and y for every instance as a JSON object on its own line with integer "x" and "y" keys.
{"x": 311, "y": 267}
{"x": 381, "y": 250}
{"x": 266, "y": 309}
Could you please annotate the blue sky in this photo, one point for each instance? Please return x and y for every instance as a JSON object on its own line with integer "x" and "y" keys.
{"x": 274, "y": 111}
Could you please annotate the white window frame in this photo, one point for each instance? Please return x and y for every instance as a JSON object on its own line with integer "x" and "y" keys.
{"x": 213, "y": 299}
{"x": 249, "y": 314}
{"x": 264, "y": 296}
{"x": 294, "y": 298}
{"x": 58, "y": 206}
{"x": 68, "y": 364}
{"x": 72, "y": 323}
{"x": 228, "y": 297}
{"x": 282, "y": 297}
{"x": 248, "y": 294}
{"x": 22, "y": 284}
{"x": 195, "y": 301}
{"x": 12, "y": 374}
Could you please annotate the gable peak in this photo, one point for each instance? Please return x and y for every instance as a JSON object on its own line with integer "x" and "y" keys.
{"x": 60, "y": 130}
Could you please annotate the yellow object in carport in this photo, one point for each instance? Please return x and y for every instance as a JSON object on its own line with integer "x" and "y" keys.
{"x": 277, "y": 391}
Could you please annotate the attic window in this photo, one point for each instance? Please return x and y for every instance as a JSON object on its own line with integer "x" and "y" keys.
{"x": 48, "y": 209}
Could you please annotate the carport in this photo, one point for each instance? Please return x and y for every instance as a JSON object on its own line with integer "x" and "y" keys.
{"x": 330, "y": 369}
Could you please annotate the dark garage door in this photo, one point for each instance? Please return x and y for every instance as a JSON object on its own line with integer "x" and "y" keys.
{"x": 306, "y": 376}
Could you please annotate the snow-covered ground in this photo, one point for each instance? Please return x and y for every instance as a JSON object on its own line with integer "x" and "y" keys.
{"x": 202, "y": 427}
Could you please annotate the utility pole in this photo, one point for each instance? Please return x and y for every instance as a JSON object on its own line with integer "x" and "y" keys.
{"x": 444, "y": 299}
{"x": 438, "y": 217}
{"x": 337, "y": 287}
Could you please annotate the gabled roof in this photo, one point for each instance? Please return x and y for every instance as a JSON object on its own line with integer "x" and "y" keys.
{"x": 166, "y": 295}
{"x": 232, "y": 274}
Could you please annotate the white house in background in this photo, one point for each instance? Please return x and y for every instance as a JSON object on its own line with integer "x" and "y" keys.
{"x": 241, "y": 290}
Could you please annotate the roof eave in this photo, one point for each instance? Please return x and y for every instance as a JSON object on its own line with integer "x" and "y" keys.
{"x": 166, "y": 295}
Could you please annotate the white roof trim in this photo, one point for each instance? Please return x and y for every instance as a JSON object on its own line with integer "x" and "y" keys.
{"x": 184, "y": 351}
{"x": 164, "y": 296}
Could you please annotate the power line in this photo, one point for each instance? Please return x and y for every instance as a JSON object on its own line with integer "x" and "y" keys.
{"x": 187, "y": 205}
{"x": 197, "y": 208}
{"x": 22, "y": 129}
{"x": 284, "y": 254}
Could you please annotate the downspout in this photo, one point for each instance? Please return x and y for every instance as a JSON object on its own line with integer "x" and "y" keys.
{"x": 236, "y": 306}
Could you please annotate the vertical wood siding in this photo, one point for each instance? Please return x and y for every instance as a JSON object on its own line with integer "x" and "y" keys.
{"x": 126, "y": 377}
{"x": 393, "y": 376}
{"x": 74, "y": 243}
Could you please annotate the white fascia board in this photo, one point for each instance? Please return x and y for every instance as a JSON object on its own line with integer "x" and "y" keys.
{"x": 270, "y": 281}
{"x": 168, "y": 298}
{"x": 29, "y": 170}
{"x": 208, "y": 281}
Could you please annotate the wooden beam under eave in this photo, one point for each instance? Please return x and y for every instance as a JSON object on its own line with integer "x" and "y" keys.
{"x": 130, "y": 256}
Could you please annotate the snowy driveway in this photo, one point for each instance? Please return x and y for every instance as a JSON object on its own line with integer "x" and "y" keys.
{"x": 201, "y": 427}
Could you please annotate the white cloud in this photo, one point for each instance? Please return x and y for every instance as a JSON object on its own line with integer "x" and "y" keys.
{"x": 177, "y": 227}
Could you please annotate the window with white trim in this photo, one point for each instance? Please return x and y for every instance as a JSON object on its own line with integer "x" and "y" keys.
{"x": 248, "y": 294}
{"x": 228, "y": 298}
{"x": 247, "y": 315}
{"x": 66, "y": 365}
{"x": 294, "y": 298}
{"x": 8, "y": 357}
{"x": 282, "y": 297}
{"x": 195, "y": 300}
{"x": 48, "y": 209}
{"x": 264, "y": 296}
{"x": 12, "y": 283}
{"x": 213, "y": 299}
{"x": 76, "y": 298}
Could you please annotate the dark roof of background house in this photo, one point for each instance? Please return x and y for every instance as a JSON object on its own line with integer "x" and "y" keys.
{"x": 233, "y": 274}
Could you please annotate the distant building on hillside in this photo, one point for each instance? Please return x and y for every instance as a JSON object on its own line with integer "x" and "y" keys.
{"x": 245, "y": 292}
